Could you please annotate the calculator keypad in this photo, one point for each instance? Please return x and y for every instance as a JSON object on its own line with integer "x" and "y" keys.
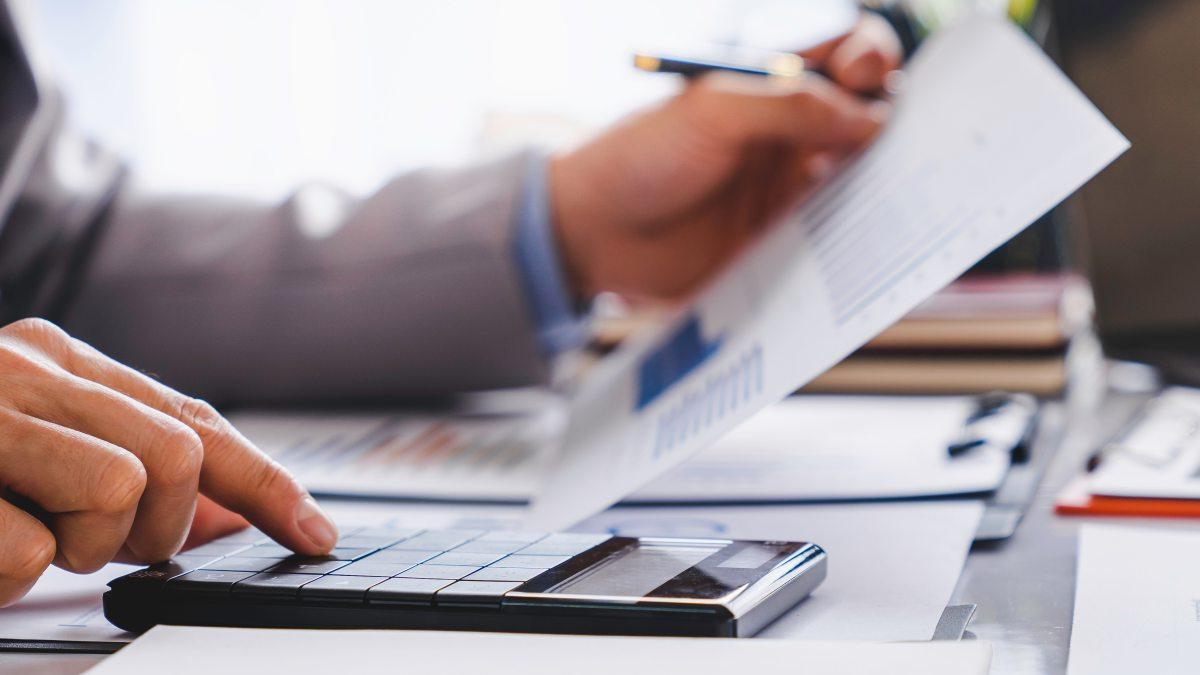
{"x": 378, "y": 566}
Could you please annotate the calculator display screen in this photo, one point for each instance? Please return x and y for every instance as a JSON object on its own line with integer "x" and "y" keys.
{"x": 635, "y": 571}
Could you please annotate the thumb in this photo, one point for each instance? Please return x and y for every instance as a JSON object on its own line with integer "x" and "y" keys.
{"x": 808, "y": 110}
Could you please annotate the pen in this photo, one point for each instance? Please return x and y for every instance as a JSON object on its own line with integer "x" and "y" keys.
{"x": 1002, "y": 420}
{"x": 766, "y": 63}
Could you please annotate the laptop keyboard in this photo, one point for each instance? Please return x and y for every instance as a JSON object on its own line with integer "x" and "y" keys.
{"x": 379, "y": 566}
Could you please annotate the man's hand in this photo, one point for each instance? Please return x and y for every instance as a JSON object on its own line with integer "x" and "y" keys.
{"x": 99, "y": 462}
{"x": 653, "y": 206}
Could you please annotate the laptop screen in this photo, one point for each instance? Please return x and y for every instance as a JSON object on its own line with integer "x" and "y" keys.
{"x": 1141, "y": 217}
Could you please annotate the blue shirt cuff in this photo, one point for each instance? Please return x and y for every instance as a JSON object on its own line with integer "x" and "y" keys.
{"x": 559, "y": 324}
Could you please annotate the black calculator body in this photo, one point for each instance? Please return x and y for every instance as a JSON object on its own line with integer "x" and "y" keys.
{"x": 476, "y": 580}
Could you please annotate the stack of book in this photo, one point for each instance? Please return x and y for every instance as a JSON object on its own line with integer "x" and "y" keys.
{"x": 982, "y": 333}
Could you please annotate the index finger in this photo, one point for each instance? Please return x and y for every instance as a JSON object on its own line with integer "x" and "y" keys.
{"x": 234, "y": 473}
{"x": 861, "y": 59}
{"x": 809, "y": 111}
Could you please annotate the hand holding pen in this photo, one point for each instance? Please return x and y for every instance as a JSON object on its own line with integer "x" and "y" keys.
{"x": 656, "y": 204}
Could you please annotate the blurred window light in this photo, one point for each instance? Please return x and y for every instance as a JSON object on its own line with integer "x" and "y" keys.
{"x": 255, "y": 96}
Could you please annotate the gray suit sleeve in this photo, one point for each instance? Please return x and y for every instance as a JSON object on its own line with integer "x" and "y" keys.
{"x": 412, "y": 291}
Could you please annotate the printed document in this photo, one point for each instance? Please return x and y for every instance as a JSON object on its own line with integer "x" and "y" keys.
{"x": 987, "y": 135}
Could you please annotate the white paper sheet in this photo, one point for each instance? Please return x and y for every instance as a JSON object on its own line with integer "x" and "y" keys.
{"x": 1137, "y": 602}
{"x": 988, "y": 136}
{"x": 204, "y": 651}
{"x": 838, "y": 447}
{"x": 892, "y": 567}
{"x": 65, "y": 606}
{"x": 805, "y": 448}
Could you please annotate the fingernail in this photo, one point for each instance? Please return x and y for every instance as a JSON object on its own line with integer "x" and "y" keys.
{"x": 317, "y": 526}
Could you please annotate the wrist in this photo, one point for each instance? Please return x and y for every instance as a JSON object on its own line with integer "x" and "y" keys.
{"x": 570, "y": 216}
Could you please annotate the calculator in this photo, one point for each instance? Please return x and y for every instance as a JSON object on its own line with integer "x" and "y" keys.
{"x": 563, "y": 582}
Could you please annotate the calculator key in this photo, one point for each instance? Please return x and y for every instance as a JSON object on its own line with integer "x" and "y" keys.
{"x": 158, "y": 573}
{"x": 299, "y": 565}
{"x": 459, "y": 558}
{"x": 338, "y": 589}
{"x": 505, "y": 574}
{"x": 216, "y": 548}
{"x": 540, "y": 562}
{"x": 500, "y": 547}
{"x": 273, "y": 585}
{"x": 428, "y": 571}
{"x": 406, "y": 591}
{"x": 592, "y": 538}
{"x": 513, "y": 536}
{"x": 545, "y": 547}
{"x": 342, "y": 553}
{"x": 437, "y": 540}
{"x": 393, "y": 533}
{"x": 267, "y": 551}
{"x": 565, "y": 543}
{"x": 359, "y": 541}
{"x": 207, "y": 581}
{"x": 474, "y": 593}
{"x": 400, "y": 557}
{"x": 249, "y": 535}
{"x": 241, "y": 564}
{"x": 193, "y": 562}
{"x": 369, "y": 568}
